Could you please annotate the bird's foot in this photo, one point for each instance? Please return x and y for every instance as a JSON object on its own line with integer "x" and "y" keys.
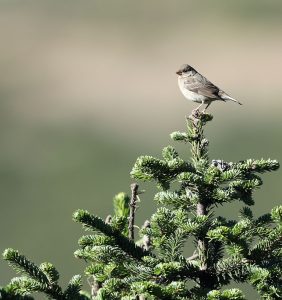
{"x": 198, "y": 115}
{"x": 196, "y": 112}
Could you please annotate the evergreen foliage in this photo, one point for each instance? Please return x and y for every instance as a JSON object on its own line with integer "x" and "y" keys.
{"x": 37, "y": 279}
{"x": 225, "y": 251}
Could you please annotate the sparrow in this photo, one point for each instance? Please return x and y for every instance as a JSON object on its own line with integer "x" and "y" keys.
{"x": 197, "y": 88}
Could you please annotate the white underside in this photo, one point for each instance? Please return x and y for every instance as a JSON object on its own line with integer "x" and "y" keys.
{"x": 191, "y": 95}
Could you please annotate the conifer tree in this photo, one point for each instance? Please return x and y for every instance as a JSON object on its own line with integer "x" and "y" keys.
{"x": 121, "y": 266}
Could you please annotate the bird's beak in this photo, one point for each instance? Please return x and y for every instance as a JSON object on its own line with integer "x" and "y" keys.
{"x": 179, "y": 73}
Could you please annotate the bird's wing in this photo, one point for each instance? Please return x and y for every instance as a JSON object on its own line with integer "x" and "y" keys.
{"x": 200, "y": 85}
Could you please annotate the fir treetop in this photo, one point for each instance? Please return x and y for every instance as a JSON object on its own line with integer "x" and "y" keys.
{"x": 121, "y": 266}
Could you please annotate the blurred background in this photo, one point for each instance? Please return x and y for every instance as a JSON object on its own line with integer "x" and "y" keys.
{"x": 88, "y": 86}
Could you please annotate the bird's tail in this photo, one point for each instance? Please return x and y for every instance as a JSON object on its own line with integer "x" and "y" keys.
{"x": 226, "y": 97}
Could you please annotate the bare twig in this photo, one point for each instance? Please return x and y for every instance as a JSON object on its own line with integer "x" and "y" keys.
{"x": 108, "y": 219}
{"x": 201, "y": 209}
{"x": 202, "y": 242}
{"x": 132, "y": 204}
{"x": 95, "y": 286}
{"x": 193, "y": 256}
{"x": 146, "y": 238}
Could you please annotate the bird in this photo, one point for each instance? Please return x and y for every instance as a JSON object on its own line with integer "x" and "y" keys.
{"x": 197, "y": 88}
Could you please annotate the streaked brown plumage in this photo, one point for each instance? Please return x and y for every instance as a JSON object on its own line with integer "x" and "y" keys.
{"x": 197, "y": 88}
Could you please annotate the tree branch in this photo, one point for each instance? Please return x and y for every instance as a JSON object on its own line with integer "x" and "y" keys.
{"x": 132, "y": 204}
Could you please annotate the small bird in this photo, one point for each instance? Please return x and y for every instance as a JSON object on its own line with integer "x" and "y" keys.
{"x": 195, "y": 87}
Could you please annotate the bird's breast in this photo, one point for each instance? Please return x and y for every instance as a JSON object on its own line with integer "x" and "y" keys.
{"x": 190, "y": 95}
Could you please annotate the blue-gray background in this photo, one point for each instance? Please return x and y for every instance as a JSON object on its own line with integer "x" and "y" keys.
{"x": 87, "y": 86}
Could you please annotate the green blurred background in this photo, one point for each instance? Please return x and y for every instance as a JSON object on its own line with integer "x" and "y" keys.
{"x": 87, "y": 86}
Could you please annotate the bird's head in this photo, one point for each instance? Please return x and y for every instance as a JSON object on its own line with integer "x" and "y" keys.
{"x": 185, "y": 70}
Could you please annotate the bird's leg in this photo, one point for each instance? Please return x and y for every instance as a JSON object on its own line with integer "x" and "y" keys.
{"x": 206, "y": 107}
{"x": 199, "y": 106}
